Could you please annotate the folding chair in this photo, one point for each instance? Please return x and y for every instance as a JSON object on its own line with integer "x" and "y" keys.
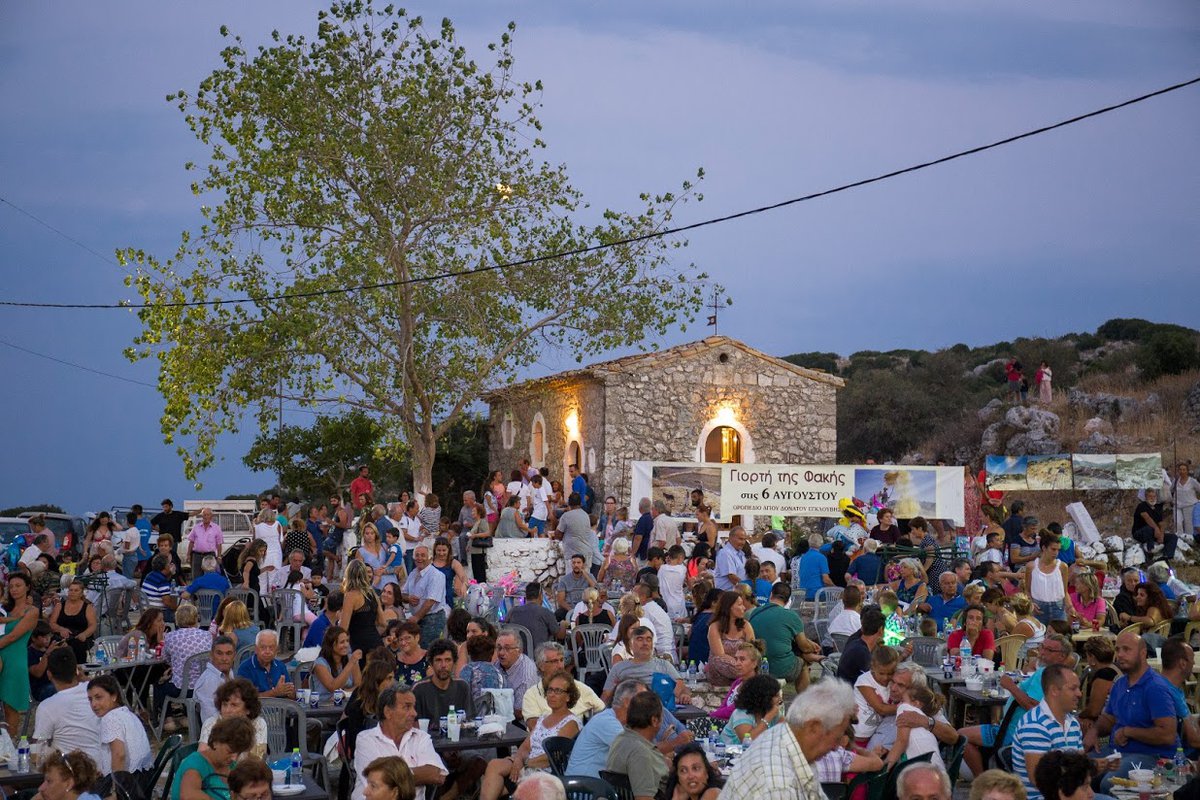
{"x": 586, "y": 644}
{"x": 524, "y": 633}
{"x": 191, "y": 666}
{"x": 928, "y": 651}
{"x": 583, "y": 787}
{"x": 558, "y": 750}
{"x": 287, "y": 724}
{"x": 619, "y": 782}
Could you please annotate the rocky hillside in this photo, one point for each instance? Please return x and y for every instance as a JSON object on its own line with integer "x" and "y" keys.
{"x": 1131, "y": 387}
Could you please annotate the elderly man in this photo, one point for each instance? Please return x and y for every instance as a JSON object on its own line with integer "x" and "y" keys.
{"x": 397, "y": 734}
{"x": 205, "y": 538}
{"x": 665, "y": 532}
{"x": 1140, "y": 713}
{"x": 1049, "y": 726}
{"x": 295, "y": 563}
{"x": 658, "y": 619}
{"x": 540, "y": 786}
{"x": 641, "y": 666}
{"x": 1054, "y": 649}
{"x": 948, "y": 602}
{"x": 810, "y": 569}
{"x": 923, "y": 781}
{"x": 43, "y": 544}
{"x": 591, "y": 747}
{"x": 425, "y": 591}
{"x": 550, "y": 658}
{"x": 779, "y": 765}
{"x": 731, "y": 560}
{"x": 218, "y": 670}
{"x": 910, "y": 674}
{"x": 268, "y": 674}
{"x": 211, "y": 580}
{"x": 642, "y": 529}
{"x": 519, "y": 670}
{"x": 633, "y": 753}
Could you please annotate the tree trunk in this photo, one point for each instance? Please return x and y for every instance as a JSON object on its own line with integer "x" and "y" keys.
{"x": 423, "y": 453}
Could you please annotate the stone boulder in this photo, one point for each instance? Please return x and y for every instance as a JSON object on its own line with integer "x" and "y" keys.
{"x": 1097, "y": 442}
{"x": 1111, "y": 406}
{"x": 982, "y": 368}
{"x": 992, "y": 410}
{"x": 1035, "y": 432}
{"x": 1191, "y": 407}
{"x": 1097, "y": 425}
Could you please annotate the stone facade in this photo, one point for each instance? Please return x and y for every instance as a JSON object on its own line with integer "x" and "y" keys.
{"x": 534, "y": 560}
{"x": 661, "y": 407}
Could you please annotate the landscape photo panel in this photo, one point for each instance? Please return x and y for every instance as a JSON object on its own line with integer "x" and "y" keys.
{"x": 1094, "y": 471}
{"x": 1047, "y": 473}
{"x": 1139, "y": 470}
{"x": 1007, "y": 473}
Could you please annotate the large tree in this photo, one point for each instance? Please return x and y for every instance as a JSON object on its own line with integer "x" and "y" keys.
{"x": 380, "y": 155}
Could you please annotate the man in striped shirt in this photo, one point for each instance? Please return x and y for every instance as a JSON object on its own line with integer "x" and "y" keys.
{"x": 1048, "y": 726}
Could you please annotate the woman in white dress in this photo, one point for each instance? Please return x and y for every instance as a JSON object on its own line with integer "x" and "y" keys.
{"x": 269, "y": 531}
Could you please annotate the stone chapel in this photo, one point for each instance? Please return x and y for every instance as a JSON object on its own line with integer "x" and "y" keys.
{"x": 716, "y": 400}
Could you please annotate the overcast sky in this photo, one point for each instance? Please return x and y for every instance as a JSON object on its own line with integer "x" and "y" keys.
{"x": 774, "y": 99}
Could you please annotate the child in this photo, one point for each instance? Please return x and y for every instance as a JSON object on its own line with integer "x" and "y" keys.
{"x": 929, "y": 627}
{"x": 393, "y": 566}
{"x": 671, "y": 578}
{"x": 913, "y": 742}
{"x": 994, "y": 550}
{"x": 761, "y": 588}
{"x": 871, "y": 693}
{"x": 845, "y": 759}
{"x": 654, "y": 560}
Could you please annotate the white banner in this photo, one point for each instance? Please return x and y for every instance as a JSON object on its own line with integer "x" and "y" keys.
{"x": 813, "y": 490}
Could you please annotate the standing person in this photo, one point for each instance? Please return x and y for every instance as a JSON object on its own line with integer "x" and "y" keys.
{"x": 575, "y": 530}
{"x": 14, "y": 644}
{"x": 706, "y": 526}
{"x": 299, "y": 537}
{"x": 1012, "y": 374}
{"x": 1185, "y": 490}
{"x": 810, "y": 569}
{"x": 887, "y": 531}
{"x": 169, "y": 521}
{"x": 431, "y": 519}
{"x": 205, "y": 538}
{"x": 641, "y": 530}
{"x": 1043, "y": 380}
{"x": 443, "y": 561}
{"x": 539, "y": 496}
{"x": 361, "y": 615}
{"x": 372, "y": 551}
{"x": 362, "y": 491}
{"x": 425, "y": 591}
{"x": 1046, "y": 580}
{"x": 340, "y": 521}
{"x": 132, "y": 543}
{"x": 665, "y": 532}
{"x": 731, "y": 560}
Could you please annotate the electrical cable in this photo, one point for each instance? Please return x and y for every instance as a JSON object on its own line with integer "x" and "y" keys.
{"x": 620, "y": 242}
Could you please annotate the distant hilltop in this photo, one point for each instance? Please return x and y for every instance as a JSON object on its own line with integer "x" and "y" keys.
{"x": 1132, "y": 386}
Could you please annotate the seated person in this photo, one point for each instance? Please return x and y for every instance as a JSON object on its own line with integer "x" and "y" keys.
{"x": 503, "y": 774}
{"x": 632, "y": 753}
{"x": 758, "y": 706}
{"x": 202, "y": 775}
{"x": 691, "y": 776}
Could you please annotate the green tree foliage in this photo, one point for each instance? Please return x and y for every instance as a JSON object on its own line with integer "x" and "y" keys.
{"x": 48, "y": 508}
{"x": 826, "y": 362}
{"x": 1167, "y": 352}
{"x": 379, "y": 154}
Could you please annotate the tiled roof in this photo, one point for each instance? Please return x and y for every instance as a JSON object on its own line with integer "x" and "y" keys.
{"x": 643, "y": 361}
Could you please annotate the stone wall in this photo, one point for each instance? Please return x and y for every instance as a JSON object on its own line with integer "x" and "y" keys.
{"x": 659, "y": 415}
{"x": 555, "y": 404}
{"x": 534, "y": 559}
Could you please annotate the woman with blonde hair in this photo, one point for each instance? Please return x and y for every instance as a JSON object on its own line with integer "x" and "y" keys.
{"x": 996, "y": 784}
{"x": 1087, "y": 605}
{"x": 236, "y": 623}
{"x": 1027, "y": 624}
{"x": 362, "y": 613}
{"x": 591, "y": 610}
{"x": 619, "y": 572}
{"x": 371, "y": 549}
{"x": 910, "y": 587}
{"x": 629, "y": 612}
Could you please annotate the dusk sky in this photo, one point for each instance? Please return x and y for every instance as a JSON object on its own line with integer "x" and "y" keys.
{"x": 773, "y": 99}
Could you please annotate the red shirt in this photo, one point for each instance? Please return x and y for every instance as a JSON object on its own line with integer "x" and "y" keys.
{"x": 358, "y": 487}
{"x": 984, "y": 641}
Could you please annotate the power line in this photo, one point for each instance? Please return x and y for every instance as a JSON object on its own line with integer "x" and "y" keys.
{"x": 68, "y": 237}
{"x": 620, "y": 242}
{"x": 121, "y": 378}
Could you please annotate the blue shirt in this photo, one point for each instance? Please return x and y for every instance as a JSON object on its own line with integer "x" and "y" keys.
{"x": 1138, "y": 705}
{"x": 643, "y": 528}
{"x": 264, "y": 680}
{"x": 942, "y": 609}
{"x": 730, "y": 561}
{"x": 866, "y": 568}
{"x": 1031, "y": 686}
{"x": 1039, "y": 733}
{"x": 813, "y": 565}
{"x": 579, "y": 486}
{"x": 316, "y": 631}
{"x": 145, "y": 532}
{"x": 156, "y": 586}
{"x": 589, "y": 754}
{"x": 1181, "y": 706}
{"x": 1167, "y": 591}
{"x": 210, "y": 580}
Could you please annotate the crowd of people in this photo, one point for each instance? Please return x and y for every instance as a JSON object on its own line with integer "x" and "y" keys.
{"x": 374, "y": 591}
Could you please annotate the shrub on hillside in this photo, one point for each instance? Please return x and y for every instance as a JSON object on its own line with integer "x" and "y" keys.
{"x": 1167, "y": 353}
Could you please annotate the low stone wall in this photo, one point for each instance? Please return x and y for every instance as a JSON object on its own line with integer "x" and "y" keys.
{"x": 534, "y": 560}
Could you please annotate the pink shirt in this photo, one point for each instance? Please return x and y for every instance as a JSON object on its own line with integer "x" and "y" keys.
{"x": 1090, "y": 611}
{"x": 206, "y": 538}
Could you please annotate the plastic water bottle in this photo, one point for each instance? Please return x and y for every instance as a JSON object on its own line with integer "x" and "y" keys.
{"x": 1181, "y": 764}
{"x": 23, "y": 755}
{"x": 296, "y": 771}
{"x": 964, "y": 651}
{"x": 452, "y": 725}
{"x": 765, "y": 666}
{"x": 101, "y": 657}
{"x": 746, "y": 741}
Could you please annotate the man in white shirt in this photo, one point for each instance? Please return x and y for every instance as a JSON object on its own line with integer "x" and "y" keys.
{"x": 218, "y": 670}
{"x": 425, "y": 591}
{"x": 397, "y": 735}
{"x": 539, "y": 497}
{"x": 108, "y": 565}
{"x": 43, "y": 543}
{"x": 848, "y": 622}
{"x": 765, "y": 551}
{"x": 65, "y": 721}
{"x": 658, "y": 620}
{"x": 278, "y": 578}
{"x": 665, "y": 533}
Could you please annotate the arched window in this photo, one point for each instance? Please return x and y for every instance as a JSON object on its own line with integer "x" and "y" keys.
{"x": 508, "y": 431}
{"x": 575, "y": 456}
{"x": 537, "y": 441}
{"x": 723, "y": 446}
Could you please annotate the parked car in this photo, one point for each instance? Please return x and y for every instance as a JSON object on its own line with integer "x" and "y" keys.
{"x": 13, "y": 531}
{"x": 69, "y": 530}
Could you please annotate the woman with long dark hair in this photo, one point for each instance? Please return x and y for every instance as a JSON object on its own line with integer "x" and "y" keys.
{"x": 336, "y": 667}
{"x": 14, "y": 649}
{"x": 698, "y": 640}
{"x": 729, "y": 629}
{"x": 691, "y": 776}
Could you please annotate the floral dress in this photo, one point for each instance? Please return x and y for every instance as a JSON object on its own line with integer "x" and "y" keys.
{"x": 481, "y": 675}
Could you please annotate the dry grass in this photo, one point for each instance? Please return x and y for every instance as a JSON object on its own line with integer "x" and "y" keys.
{"x": 1166, "y": 432}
